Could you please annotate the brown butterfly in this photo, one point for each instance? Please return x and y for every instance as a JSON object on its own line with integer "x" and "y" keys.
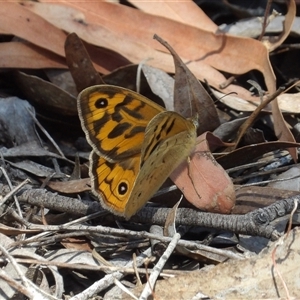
{"x": 136, "y": 145}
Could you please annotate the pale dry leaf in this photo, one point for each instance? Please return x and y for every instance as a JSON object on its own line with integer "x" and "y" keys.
{"x": 187, "y": 12}
{"x": 161, "y": 84}
{"x": 235, "y": 102}
{"x": 252, "y": 27}
{"x": 289, "y": 102}
{"x": 285, "y": 182}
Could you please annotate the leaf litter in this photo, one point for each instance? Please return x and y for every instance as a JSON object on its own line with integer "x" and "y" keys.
{"x": 67, "y": 245}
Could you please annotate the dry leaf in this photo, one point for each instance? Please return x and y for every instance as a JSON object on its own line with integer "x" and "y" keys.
{"x": 274, "y": 41}
{"x": 28, "y": 56}
{"x": 23, "y": 23}
{"x": 207, "y": 51}
{"x": 80, "y": 64}
{"x": 190, "y": 97}
{"x": 70, "y": 187}
{"x": 203, "y": 181}
{"x": 246, "y": 154}
{"x": 46, "y": 94}
{"x": 186, "y": 12}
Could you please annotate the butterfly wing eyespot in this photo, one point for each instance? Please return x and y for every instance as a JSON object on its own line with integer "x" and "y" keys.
{"x": 101, "y": 103}
{"x": 123, "y": 188}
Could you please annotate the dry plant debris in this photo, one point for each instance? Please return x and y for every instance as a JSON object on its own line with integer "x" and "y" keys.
{"x": 235, "y": 234}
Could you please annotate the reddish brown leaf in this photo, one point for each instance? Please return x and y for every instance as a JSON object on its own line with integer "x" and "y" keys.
{"x": 17, "y": 20}
{"x": 21, "y": 55}
{"x": 204, "y": 182}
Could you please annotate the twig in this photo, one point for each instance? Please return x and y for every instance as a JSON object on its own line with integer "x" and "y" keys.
{"x": 28, "y": 287}
{"x": 267, "y": 181}
{"x": 291, "y": 217}
{"x": 159, "y": 266}
{"x": 15, "y": 284}
{"x": 254, "y": 223}
{"x": 108, "y": 269}
{"x": 265, "y": 20}
{"x": 13, "y": 191}
{"x": 108, "y": 280}
{"x": 46, "y": 133}
{"x": 255, "y": 114}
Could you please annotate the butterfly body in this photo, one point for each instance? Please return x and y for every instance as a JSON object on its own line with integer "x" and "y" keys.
{"x": 136, "y": 145}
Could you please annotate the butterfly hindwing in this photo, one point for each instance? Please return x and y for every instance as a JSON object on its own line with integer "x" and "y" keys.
{"x": 112, "y": 182}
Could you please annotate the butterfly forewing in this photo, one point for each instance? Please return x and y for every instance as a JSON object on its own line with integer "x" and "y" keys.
{"x": 169, "y": 140}
{"x": 157, "y": 168}
{"x": 163, "y": 126}
{"x": 114, "y": 120}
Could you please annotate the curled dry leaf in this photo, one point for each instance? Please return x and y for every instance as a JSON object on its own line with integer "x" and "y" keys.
{"x": 190, "y": 97}
{"x": 246, "y": 154}
{"x": 273, "y": 42}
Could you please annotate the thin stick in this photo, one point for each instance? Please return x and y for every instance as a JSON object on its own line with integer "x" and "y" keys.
{"x": 46, "y": 133}
{"x": 159, "y": 266}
